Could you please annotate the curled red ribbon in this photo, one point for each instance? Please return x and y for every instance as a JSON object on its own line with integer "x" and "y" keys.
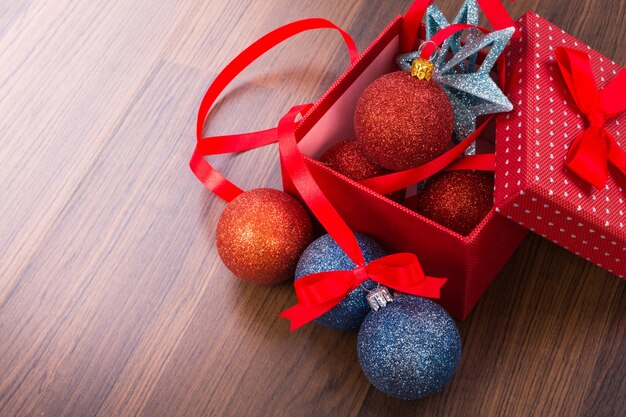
{"x": 205, "y": 146}
{"x": 318, "y": 293}
{"x": 395, "y": 181}
{"x": 595, "y": 149}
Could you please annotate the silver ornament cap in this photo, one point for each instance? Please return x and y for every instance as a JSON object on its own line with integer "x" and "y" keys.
{"x": 378, "y": 298}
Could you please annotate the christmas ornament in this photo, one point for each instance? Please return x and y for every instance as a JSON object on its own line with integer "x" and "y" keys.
{"x": 347, "y": 158}
{"x": 458, "y": 200}
{"x": 409, "y": 348}
{"x": 261, "y": 235}
{"x": 472, "y": 92}
{"x": 325, "y": 255}
{"x": 403, "y": 121}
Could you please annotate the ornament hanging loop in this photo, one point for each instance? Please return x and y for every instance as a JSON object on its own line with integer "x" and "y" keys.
{"x": 420, "y": 67}
{"x": 424, "y": 46}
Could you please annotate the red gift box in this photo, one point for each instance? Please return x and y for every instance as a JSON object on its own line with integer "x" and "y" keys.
{"x": 469, "y": 262}
{"x": 533, "y": 187}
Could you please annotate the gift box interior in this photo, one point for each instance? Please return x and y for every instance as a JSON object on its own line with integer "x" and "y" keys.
{"x": 469, "y": 262}
{"x": 532, "y": 186}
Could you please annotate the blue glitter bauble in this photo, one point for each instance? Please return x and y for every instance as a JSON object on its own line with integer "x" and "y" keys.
{"x": 410, "y": 348}
{"x": 325, "y": 255}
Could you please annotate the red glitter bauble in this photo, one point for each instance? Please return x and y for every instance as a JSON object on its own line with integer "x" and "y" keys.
{"x": 458, "y": 200}
{"x": 347, "y": 158}
{"x": 402, "y": 122}
{"x": 261, "y": 235}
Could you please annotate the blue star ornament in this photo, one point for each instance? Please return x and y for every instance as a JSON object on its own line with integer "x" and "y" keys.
{"x": 474, "y": 94}
{"x": 435, "y": 21}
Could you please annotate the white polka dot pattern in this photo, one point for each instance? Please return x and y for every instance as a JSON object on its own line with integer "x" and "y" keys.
{"x": 533, "y": 188}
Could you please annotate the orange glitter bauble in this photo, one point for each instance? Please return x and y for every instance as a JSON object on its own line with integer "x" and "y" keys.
{"x": 402, "y": 122}
{"x": 261, "y": 235}
{"x": 347, "y": 158}
{"x": 458, "y": 200}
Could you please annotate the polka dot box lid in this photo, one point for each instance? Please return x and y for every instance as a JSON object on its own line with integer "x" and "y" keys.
{"x": 533, "y": 188}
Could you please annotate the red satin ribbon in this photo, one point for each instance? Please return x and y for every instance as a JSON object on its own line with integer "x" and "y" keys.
{"x": 389, "y": 183}
{"x": 318, "y": 293}
{"x": 480, "y": 162}
{"x": 595, "y": 150}
{"x": 439, "y": 37}
{"x": 494, "y": 11}
{"x": 309, "y": 190}
{"x": 205, "y": 146}
{"x": 412, "y": 23}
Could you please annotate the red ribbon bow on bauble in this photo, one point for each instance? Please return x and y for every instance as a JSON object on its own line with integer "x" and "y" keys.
{"x": 318, "y": 293}
{"x": 595, "y": 150}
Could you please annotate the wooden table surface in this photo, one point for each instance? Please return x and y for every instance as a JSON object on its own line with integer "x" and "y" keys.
{"x": 113, "y": 301}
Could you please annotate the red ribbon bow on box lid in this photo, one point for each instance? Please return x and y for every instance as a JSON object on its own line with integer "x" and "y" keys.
{"x": 595, "y": 150}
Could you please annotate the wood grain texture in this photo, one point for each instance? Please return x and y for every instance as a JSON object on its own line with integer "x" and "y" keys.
{"x": 113, "y": 301}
